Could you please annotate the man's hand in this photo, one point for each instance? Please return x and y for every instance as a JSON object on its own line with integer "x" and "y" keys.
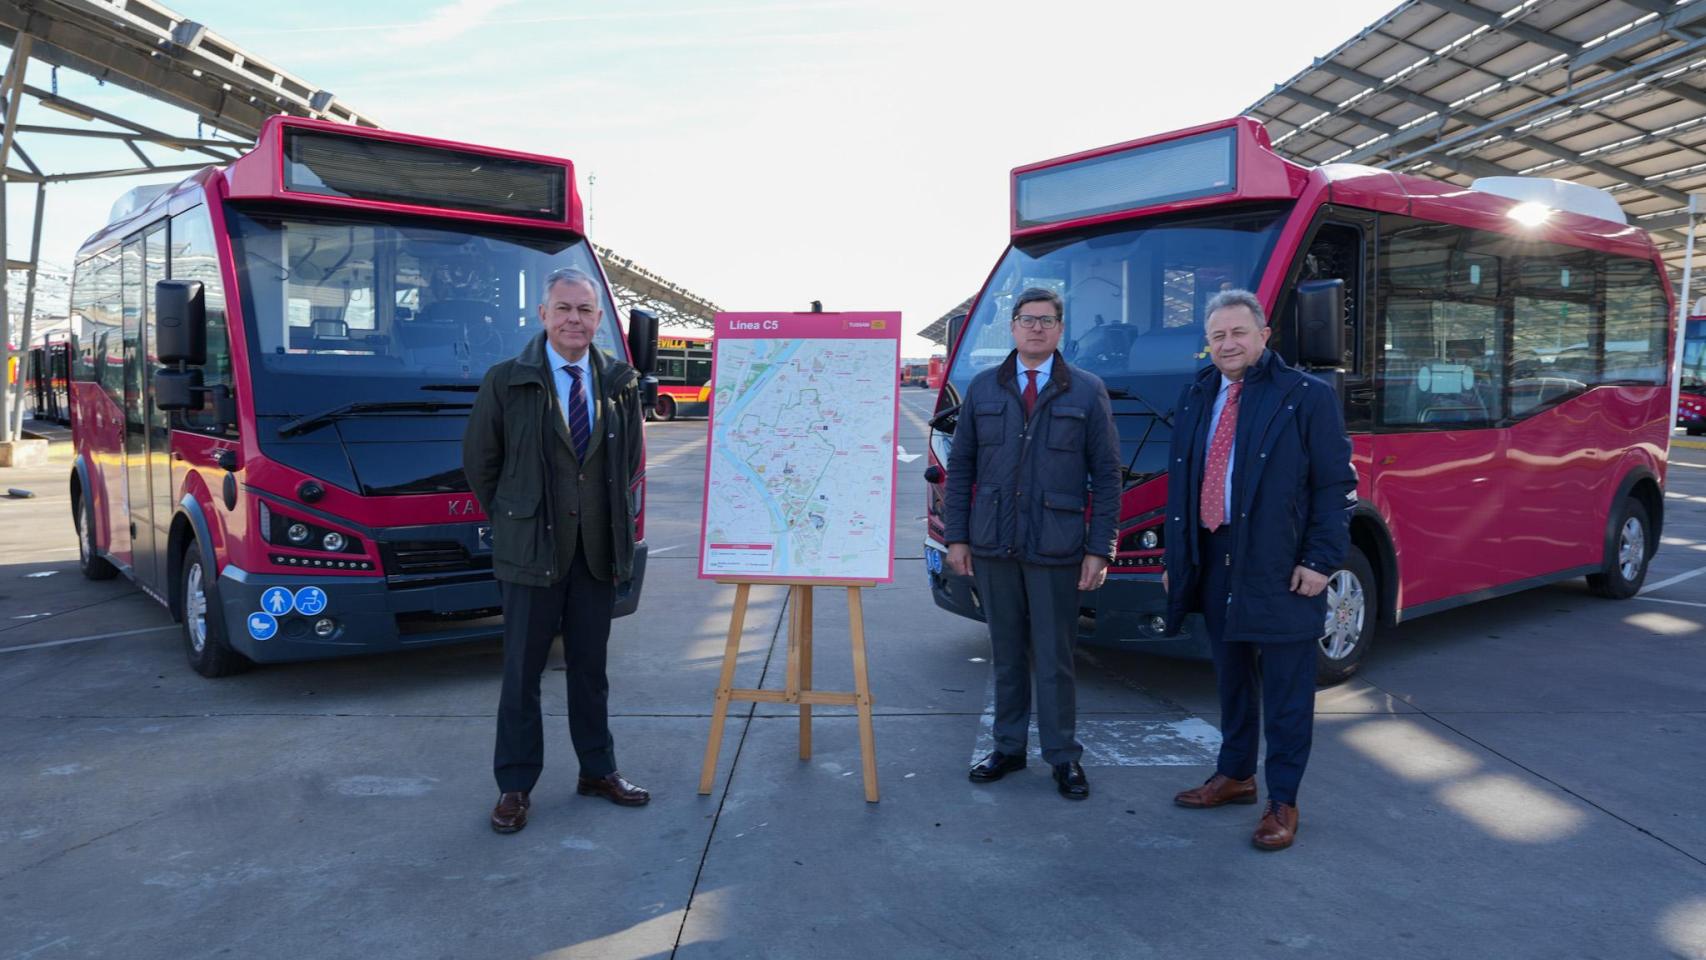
{"x": 1092, "y": 573}
{"x": 1307, "y": 582}
{"x": 959, "y": 559}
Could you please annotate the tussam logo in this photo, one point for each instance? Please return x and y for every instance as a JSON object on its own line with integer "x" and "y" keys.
{"x": 461, "y": 508}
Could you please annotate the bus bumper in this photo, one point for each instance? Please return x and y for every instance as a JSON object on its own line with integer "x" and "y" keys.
{"x": 1125, "y": 612}
{"x": 372, "y": 617}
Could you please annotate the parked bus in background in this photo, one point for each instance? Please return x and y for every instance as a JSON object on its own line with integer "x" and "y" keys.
{"x": 933, "y": 373}
{"x": 1691, "y": 398}
{"x": 274, "y": 365}
{"x": 914, "y": 374}
{"x": 684, "y": 377}
{"x": 1502, "y": 354}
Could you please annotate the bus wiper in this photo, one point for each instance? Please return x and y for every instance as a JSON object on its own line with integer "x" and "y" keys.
{"x": 453, "y": 387}
{"x": 309, "y": 421}
{"x": 1120, "y": 393}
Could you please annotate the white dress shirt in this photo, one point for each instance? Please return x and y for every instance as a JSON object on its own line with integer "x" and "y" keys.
{"x": 560, "y": 377}
{"x": 1042, "y": 372}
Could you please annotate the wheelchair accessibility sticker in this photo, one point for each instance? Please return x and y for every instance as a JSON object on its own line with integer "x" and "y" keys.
{"x": 310, "y": 601}
{"x": 275, "y": 602}
{"x": 262, "y": 626}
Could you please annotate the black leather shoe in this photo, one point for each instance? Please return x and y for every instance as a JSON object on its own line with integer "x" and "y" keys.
{"x": 1069, "y": 777}
{"x": 996, "y": 765}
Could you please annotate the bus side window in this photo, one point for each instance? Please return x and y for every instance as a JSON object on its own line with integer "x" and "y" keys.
{"x": 1442, "y": 364}
{"x": 194, "y": 257}
{"x": 1636, "y": 320}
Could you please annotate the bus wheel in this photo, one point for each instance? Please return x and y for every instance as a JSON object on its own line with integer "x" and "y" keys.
{"x": 204, "y": 628}
{"x": 1352, "y": 608}
{"x": 94, "y": 566}
{"x": 1626, "y": 568}
{"x": 666, "y": 407}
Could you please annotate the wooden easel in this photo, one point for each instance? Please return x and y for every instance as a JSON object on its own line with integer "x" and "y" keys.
{"x": 798, "y": 684}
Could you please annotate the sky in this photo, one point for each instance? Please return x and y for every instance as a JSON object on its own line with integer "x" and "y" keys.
{"x": 762, "y": 155}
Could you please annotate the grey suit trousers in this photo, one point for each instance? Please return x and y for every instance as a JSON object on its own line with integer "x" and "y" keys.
{"x": 1032, "y": 611}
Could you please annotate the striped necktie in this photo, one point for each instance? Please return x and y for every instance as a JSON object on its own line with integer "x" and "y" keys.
{"x": 579, "y": 429}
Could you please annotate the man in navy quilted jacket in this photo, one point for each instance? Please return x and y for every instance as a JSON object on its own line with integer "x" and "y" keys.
{"x": 1031, "y": 508}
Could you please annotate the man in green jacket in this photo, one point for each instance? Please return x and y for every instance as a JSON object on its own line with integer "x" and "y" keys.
{"x": 552, "y": 449}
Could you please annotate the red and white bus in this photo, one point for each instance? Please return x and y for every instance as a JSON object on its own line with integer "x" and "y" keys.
{"x": 1504, "y": 364}
{"x": 274, "y": 365}
{"x": 684, "y": 377}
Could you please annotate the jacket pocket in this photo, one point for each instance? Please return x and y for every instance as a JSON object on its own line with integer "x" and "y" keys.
{"x": 1066, "y": 428}
{"x": 1061, "y": 529}
{"x": 991, "y": 422}
{"x": 517, "y": 527}
{"x": 986, "y": 509}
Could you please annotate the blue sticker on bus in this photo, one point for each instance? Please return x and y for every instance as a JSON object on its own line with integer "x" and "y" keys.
{"x": 276, "y": 601}
{"x": 262, "y": 626}
{"x": 310, "y": 601}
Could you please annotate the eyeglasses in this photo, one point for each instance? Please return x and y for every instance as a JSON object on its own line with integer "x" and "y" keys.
{"x": 1031, "y": 323}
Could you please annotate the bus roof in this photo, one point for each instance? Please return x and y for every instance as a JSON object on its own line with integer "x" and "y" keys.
{"x": 1233, "y": 161}
{"x": 294, "y": 156}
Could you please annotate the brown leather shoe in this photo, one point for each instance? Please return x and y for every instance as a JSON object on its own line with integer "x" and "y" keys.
{"x": 510, "y": 815}
{"x": 616, "y": 789}
{"x": 1218, "y": 791}
{"x": 1278, "y": 827}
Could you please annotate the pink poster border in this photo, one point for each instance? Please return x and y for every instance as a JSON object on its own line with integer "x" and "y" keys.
{"x": 802, "y": 326}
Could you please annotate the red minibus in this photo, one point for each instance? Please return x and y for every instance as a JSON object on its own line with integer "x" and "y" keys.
{"x": 1503, "y": 364}
{"x": 274, "y": 365}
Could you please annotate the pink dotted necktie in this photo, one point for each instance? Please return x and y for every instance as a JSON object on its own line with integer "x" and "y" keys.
{"x": 1213, "y": 504}
{"x": 1030, "y": 394}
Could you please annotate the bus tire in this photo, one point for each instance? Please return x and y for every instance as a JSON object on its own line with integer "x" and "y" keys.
{"x": 1626, "y": 566}
{"x": 1353, "y": 606}
{"x": 93, "y": 565}
{"x": 666, "y": 407}
{"x": 205, "y": 643}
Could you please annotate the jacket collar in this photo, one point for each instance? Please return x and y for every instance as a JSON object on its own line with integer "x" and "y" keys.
{"x": 1060, "y": 372}
{"x": 532, "y": 365}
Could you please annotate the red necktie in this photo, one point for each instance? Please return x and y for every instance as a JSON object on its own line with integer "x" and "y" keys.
{"x": 1212, "y": 506}
{"x": 1030, "y": 394}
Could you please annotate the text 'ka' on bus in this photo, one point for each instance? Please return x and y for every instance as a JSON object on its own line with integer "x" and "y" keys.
{"x": 273, "y": 369}
{"x": 1502, "y": 353}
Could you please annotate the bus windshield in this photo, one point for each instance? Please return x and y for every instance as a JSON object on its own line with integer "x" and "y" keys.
{"x": 1694, "y": 356}
{"x": 1133, "y": 295}
{"x": 348, "y": 310}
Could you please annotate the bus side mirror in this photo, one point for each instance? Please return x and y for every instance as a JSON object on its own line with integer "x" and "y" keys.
{"x": 643, "y": 340}
{"x": 1321, "y": 323}
{"x": 176, "y": 390}
{"x": 947, "y": 420}
{"x": 648, "y": 394}
{"x": 956, "y": 323}
{"x": 180, "y": 315}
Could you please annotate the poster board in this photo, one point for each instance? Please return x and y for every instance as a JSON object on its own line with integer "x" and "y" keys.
{"x": 800, "y": 458}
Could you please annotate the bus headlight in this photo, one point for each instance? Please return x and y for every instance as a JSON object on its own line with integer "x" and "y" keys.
{"x": 1150, "y": 539}
{"x": 298, "y": 533}
{"x": 333, "y": 541}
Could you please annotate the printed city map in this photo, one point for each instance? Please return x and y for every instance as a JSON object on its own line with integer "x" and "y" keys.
{"x": 800, "y": 480}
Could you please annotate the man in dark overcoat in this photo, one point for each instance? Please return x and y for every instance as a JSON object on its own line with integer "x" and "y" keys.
{"x": 1259, "y": 501}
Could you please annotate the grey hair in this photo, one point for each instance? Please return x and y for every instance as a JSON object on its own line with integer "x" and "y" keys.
{"x": 567, "y": 275}
{"x": 1235, "y": 298}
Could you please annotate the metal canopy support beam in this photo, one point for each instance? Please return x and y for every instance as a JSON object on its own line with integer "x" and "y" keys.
{"x": 1674, "y": 21}
{"x": 29, "y": 312}
{"x": 12, "y": 87}
{"x": 52, "y": 99}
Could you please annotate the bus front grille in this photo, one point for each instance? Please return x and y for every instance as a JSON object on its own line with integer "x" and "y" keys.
{"x": 413, "y": 562}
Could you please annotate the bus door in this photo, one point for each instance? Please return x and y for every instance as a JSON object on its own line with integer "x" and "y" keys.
{"x": 1438, "y": 453}
{"x": 160, "y": 482}
{"x": 140, "y": 436}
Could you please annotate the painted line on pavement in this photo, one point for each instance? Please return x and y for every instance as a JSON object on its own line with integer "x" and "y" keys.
{"x": 98, "y": 636}
{"x": 1649, "y": 588}
{"x": 1150, "y": 742}
{"x": 1680, "y": 603}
